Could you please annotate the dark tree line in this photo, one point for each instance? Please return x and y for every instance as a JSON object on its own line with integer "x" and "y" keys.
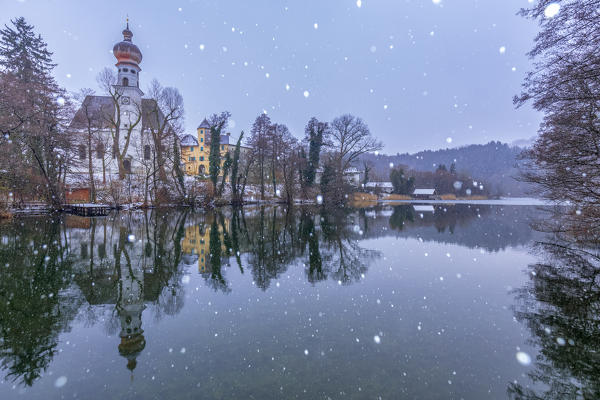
{"x": 564, "y": 163}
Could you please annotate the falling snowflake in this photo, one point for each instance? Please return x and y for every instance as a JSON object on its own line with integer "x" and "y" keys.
{"x": 551, "y": 10}
{"x": 306, "y": 93}
{"x": 523, "y": 358}
{"x": 60, "y": 382}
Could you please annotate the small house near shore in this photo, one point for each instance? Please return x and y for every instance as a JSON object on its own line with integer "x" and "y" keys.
{"x": 425, "y": 194}
{"x": 380, "y": 187}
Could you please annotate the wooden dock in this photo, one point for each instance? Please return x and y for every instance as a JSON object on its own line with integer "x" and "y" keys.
{"x": 88, "y": 210}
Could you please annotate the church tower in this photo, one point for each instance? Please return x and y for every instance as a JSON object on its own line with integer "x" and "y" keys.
{"x": 129, "y": 57}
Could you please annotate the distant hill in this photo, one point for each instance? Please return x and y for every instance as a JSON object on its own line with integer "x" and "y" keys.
{"x": 494, "y": 163}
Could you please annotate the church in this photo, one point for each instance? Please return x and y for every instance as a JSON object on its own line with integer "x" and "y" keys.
{"x": 113, "y": 132}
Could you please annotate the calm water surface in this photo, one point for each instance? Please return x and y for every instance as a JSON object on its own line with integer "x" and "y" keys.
{"x": 429, "y": 302}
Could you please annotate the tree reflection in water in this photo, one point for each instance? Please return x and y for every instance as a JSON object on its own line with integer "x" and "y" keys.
{"x": 57, "y": 270}
{"x": 267, "y": 241}
{"x": 560, "y": 305}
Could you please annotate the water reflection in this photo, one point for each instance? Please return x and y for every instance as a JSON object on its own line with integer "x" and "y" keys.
{"x": 117, "y": 272}
{"x": 560, "y": 306}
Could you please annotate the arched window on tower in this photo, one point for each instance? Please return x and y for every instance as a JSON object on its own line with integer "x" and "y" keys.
{"x": 125, "y": 82}
{"x": 82, "y": 152}
{"x": 146, "y": 152}
{"x": 100, "y": 151}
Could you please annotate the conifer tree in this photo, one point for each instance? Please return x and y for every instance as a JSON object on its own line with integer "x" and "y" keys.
{"x": 315, "y": 134}
{"x": 235, "y": 168}
{"x": 34, "y": 114}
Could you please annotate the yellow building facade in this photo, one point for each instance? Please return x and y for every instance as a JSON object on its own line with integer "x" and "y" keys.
{"x": 197, "y": 242}
{"x": 195, "y": 151}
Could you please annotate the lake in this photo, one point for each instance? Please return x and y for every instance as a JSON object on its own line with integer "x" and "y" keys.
{"x": 410, "y": 301}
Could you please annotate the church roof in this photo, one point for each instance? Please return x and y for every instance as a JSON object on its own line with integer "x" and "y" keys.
{"x": 188, "y": 140}
{"x": 204, "y": 124}
{"x": 99, "y": 110}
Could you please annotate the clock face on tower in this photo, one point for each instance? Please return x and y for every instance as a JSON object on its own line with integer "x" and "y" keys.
{"x": 125, "y": 100}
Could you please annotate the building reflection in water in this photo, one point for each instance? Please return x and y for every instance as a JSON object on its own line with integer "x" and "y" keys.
{"x": 116, "y": 271}
{"x": 130, "y": 305}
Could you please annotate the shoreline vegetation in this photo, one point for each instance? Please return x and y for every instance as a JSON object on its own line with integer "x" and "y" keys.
{"x": 355, "y": 200}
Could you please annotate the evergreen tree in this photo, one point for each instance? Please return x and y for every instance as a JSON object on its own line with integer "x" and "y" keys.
{"x": 214, "y": 158}
{"x": 234, "y": 170}
{"x": 226, "y": 167}
{"x": 23, "y": 53}
{"x": 217, "y": 123}
{"x": 453, "y": 169}
{"x": 35, "y": 115}
{"x": 367, "y": 169}
{"x": 180, "y": 178}
{"x": 315, "y": 134}
{"x": 400, "y": 183}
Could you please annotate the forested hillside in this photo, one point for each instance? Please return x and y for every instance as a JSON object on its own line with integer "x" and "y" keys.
{"x": 494, "y": 162}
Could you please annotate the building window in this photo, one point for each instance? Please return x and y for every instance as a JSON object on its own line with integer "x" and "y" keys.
{"x": 125, "y": 82}
{"x": 82, "y": 152}
{"x": 100, "y": 151}
{"x": 222, "y": 147}
{"x": 191, "y": 149}
{"x": 193, "y": 158}
{"x": 201, "y": 140}
{"x": 127, "y": 166}
{"x": 125, "y": 70}
{"x": 146, "y": 152}
{"x": 201, "y": 148}
{"x": 201, "y": 158}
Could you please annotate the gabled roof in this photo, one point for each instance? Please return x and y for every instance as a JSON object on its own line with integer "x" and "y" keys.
{"x": 380, "y": 185}
{"x": 99, "y": 110}
{"x": 204, "y": 124}
{"x": 428, "y": 192}
{"x": 189, "y": 140}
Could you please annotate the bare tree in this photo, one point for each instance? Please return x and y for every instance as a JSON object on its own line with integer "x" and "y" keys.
{"x": 349, "y": 138}
{"x": 90, "y": 138}
{"x": 259, "y": 140}
{"x": 165, "y": 114}
{"x": 290, "y": 163}
{"x": 564, "y": 162}
{"x": 107, "y": 79}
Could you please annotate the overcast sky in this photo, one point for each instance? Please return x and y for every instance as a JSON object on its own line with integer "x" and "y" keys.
{"x": 422, "y": 73}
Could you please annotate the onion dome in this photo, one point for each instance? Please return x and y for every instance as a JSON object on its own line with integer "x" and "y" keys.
{"x": 125, "y": 51}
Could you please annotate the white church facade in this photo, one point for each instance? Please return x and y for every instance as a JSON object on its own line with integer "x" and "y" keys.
{"x": 112, "y": 132}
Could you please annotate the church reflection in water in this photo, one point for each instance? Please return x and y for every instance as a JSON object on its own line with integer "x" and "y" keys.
{"x": 118, "y": 271}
